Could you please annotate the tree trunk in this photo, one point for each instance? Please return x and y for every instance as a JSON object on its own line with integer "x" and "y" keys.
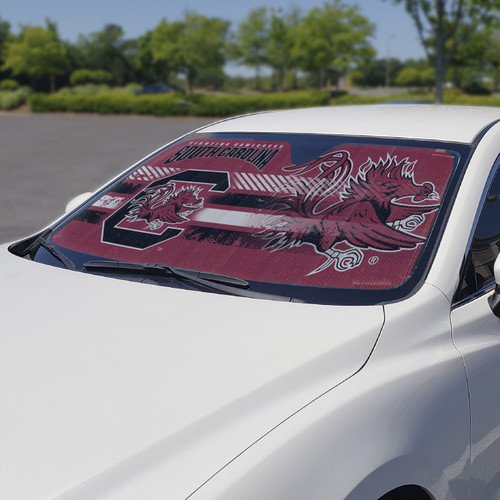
{"x": 52, "y": 79}
{"x": 496, "y": 77}
{"x": 281, "y": 79}
{"x": 257, "y": 77}
{"x": 440, "y": 71}
{"x": 456, "y": 77}
{"x": 190, "y": 79}
{"x": 440, "y": 66}
{"x": 321, "y": 77}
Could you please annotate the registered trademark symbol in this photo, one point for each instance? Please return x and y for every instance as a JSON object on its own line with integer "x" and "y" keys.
{"x": 373, "y": 260}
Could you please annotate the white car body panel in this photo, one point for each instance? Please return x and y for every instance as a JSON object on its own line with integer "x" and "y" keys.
{"x": 166, "y": 385}
{"x": 122, "y": 390}
{"x": 411, "y": 121}
{"x": 376, "y": 430}
{"x": 476, "y": 332}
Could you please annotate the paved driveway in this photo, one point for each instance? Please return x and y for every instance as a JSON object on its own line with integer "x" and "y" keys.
{"x": 47, "y": 159}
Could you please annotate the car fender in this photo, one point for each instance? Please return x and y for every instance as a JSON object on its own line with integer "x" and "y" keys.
{"x": 403, "y": 419}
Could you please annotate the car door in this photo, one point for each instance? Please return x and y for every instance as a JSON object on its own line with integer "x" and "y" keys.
{"x": 476, "y": 333}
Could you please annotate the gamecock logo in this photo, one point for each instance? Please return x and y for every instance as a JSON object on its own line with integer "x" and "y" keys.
{"x": 361, "y": 211}
{"x": 165, "y": 205}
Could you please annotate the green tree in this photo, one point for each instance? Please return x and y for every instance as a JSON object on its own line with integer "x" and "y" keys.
{"x": 251, "y": 41}
{"x": 195, "y": 45}
{"x": 74, "y": 57}
{"x": 468, "y": 60}
{"x": 373, "y": 72}
{"x": 202, "y": 46}
{"x": 492, "y": 56}
{"x": 408, "y": 77}
{"x": 36, "y": 52}
{"x": 445, "y": 26}
{"x": 414, "y": 77}
{"x": 149, "y": 67}
{"x": 95, "y": 76}
{"x": 478, "y": 57}
{"x": 108, "y": 50}
{"x": 331, "y": 38}
{"x": 280, "y": 42}
{"x": 427, "y": 77}
{"x": 5, "y": 35}
{"x": 162, "y": 48}
{"x": 415, "y": 73}
{"x": 278, "y": 49}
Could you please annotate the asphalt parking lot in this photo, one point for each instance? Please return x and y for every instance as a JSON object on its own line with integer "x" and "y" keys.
{"x": 47, "y": 159}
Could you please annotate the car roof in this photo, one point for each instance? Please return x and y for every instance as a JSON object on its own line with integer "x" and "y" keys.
{"x": 416, "y": 121}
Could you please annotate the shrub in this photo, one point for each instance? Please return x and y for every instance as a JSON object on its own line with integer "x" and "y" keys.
{"x": 9, "y": 84}
{"x": 428, "y": 77}
{"x": 130, "y": 88}
{"x": 95, "y": 89}
{"x": 174, "y": 104}
{"x": 357, "y": 99}
{"x": 357, "y": 78}
{"x": 83, "y": 76}
{"x": 348, "y": 99}
{"x": 12, "y": 99}
{"x": 408, "y": 77}
{"x": 476, "y": 88}
{"x": 452, "y": 93}
{"x": 108, "y": 103}
{"x": 87, "y": 89}
{"x": 471, "y": 100}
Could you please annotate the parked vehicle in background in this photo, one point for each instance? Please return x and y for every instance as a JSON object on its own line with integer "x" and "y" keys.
{"x": 158, "y": 88}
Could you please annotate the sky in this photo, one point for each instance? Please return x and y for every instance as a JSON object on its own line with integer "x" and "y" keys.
{"x": 395, "y": 34}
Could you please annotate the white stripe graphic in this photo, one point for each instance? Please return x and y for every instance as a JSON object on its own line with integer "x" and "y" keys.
{"x": 263, "y": 181}
{"x": 230, "y": 218}
{"x": 238, "y": 184}
{"x": 286, "y": 180}
{"x": 152, "y": 171}
{"x": 252, "y": 185}
{"x": 256, "y": 181}
{"x": 274, "y": 183}
{"x": 143, "y": 174}
{"x": 240, "y": 178}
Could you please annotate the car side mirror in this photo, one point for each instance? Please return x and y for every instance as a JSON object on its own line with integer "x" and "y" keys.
{"x": 494, "y": 300}
{"x": 77, "y": 200}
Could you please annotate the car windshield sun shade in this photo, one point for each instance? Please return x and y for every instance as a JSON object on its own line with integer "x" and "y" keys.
{"x": 307, "y": 211}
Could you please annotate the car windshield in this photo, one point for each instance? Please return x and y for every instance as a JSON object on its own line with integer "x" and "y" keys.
{"x": 325, "y": 219}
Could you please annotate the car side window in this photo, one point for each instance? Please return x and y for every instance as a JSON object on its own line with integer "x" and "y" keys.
{"x": 485, "y": 246}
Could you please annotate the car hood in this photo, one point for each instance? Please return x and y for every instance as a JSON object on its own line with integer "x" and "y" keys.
{"x": 117, "y": 389}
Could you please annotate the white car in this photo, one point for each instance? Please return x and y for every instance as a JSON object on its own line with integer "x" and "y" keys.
{"x": 293, "y": 305}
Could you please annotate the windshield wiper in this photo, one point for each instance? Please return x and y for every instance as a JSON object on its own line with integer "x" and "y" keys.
{"x": 218, "y": 282}
{"x": 161, "y": 270}
{"x": 54, "y": 251}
